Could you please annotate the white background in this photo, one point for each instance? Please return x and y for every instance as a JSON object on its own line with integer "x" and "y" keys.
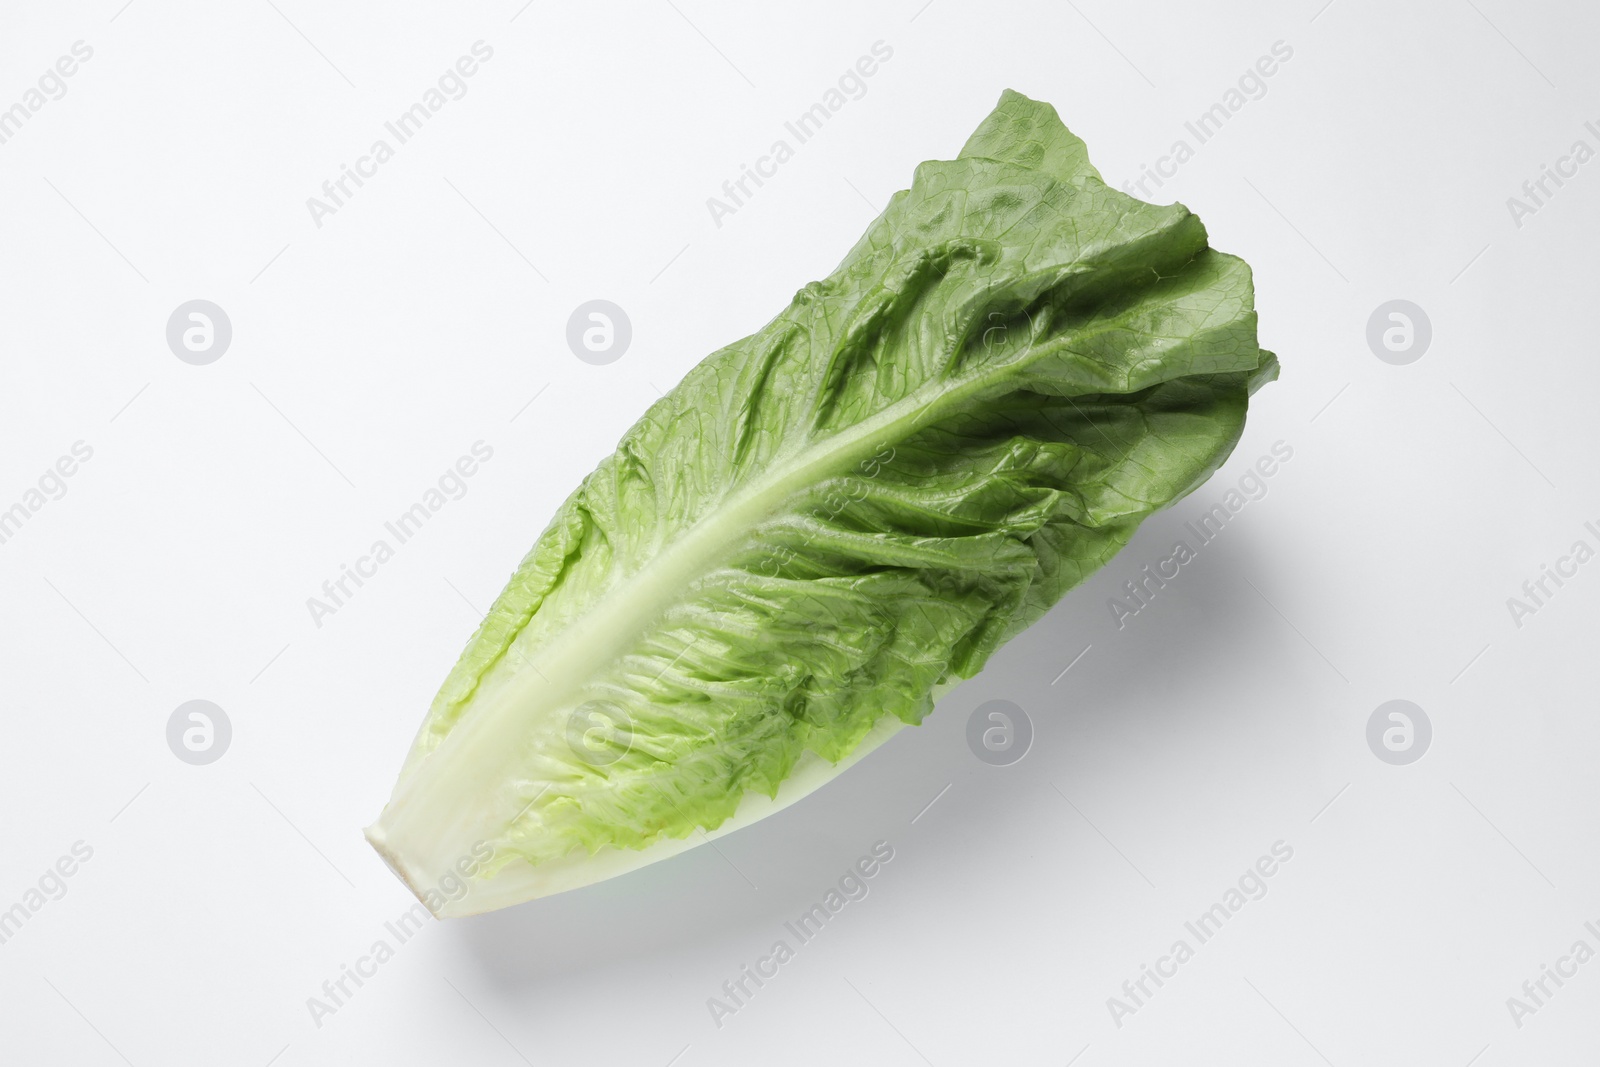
{"x": 372, "y": 351}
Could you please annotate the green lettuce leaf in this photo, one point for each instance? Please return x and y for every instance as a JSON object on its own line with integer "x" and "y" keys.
{"x": 827, "y": 522}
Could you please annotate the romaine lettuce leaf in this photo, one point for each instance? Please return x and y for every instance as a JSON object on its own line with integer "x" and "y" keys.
{"x": 829, "y": 521}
